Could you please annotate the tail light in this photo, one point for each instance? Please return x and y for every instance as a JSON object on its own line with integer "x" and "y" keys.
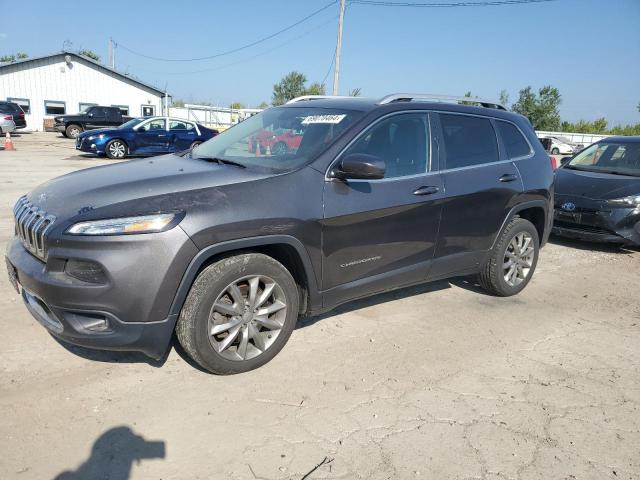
{"x": 8, "y": 117}
{"x": 554, "y": 162}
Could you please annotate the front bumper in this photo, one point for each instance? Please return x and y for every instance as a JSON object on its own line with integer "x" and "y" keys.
{"x": 94, "y": 145}
{"x": 595, "y": 221}
{"x": 61, "y": 127}
{"x": 129, "y": 311}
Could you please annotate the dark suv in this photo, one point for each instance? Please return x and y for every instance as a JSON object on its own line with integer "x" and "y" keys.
{"x": 228, "y": 248}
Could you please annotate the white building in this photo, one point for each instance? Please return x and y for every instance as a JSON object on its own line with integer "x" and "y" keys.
{"x": 65, "y": 83}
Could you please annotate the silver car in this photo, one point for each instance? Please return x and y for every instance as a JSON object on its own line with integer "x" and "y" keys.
{"x": 7, "y": 124}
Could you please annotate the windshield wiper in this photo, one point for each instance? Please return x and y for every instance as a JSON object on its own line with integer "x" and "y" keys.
{"x": 221, "y": 161}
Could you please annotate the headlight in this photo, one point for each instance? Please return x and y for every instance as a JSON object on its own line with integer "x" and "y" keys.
{"x": 630, "y": 201}
{"x": 93, "y": 137}
{"x": 123, "y": 226}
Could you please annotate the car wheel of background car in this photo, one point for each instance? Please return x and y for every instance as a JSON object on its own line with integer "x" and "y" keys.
{"x": 116, "y": 149}
{"x": 280, "y": 148}
{"x": 513, "y": 259}
{"x": 72, "y": 131}
{"x": 239, "y": 313}
{"x": 555, "y": 151}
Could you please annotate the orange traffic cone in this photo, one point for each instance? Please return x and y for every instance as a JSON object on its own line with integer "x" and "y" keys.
{"x": 8, "y": 144}
{"x": 257, "y": 149}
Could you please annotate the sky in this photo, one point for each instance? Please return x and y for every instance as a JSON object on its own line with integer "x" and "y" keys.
{"x": 588, "y": 49}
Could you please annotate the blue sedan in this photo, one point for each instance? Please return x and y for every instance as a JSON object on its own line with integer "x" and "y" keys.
{"x": 144, "y": 136}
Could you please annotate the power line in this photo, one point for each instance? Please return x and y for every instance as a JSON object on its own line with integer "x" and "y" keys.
{"x": 228, "y": 52}
{"x": 484, "y": 3}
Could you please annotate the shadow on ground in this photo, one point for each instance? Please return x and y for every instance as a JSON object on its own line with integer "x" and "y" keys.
{"x": 113, "y": 454}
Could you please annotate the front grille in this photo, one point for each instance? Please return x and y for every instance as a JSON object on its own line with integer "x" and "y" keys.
{"x": 32, "y": 225}
{"x": 583, "y": 228}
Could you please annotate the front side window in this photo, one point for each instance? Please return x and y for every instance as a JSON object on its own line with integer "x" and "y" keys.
{"x": 400, "y": 141}
{"x": 514, "y": 143}
{"x": 85, "y": 107}
{"x": 609, "y": 157}
{"x": 279, "y": 139}
{"x": 52, "y": 107}
{"x": 468, "y": 140}
{"x": 155, "y": 124}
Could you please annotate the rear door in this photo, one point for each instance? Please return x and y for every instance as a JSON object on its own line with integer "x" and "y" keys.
{"x": 377, "y": 233}
{"x": 114, "y": 117}
{"x": 481, "y": 186}
{"x": 152, "y": 136}
{"x": 181, "y": 135}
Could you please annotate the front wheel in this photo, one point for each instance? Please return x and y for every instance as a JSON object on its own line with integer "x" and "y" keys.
{"x": 239, "y": 313}
{"x": 512, "y": 260}
{"x": 116, "y": 149}
{"x": 73, "y": 130}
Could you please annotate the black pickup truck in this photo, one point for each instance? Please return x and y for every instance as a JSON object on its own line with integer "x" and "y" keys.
{"x": 93, "y": 117}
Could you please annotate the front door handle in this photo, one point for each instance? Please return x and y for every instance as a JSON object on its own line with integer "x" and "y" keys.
{"x": 426, "y": 190}
{"x": 161, "y": 135}
{"x": 508, "y": 177}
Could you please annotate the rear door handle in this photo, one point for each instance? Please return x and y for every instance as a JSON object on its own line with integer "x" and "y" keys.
{"x": 508, "y": 177}
{"x": 426, "y": 190}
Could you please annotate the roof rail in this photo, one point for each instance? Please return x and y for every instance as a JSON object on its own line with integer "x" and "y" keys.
{"x": 408, "y": 97}
{"x": 315, "y": 97}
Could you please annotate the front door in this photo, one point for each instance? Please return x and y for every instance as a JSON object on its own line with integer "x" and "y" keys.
{"x": 383, "y": 232}
{"x": 152, "y": 137}
{"x": 481, "y": 185}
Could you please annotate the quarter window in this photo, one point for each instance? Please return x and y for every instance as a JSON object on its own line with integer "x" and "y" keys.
{"x": 180, "y": 125}
{"x": 52, "y": 107}
{"x": 514, "y": 143}
{"x": 400, "y": 141}
{"x": 468, "y": 140}
{"x": 24, "y": 103}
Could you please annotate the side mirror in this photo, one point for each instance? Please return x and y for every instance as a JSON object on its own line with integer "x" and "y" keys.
{"x": 89, "y": 114}
{"x": 360, "y": 166}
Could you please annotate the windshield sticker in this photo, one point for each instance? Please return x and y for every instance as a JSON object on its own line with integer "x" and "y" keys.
{"x": 323, "y": 119}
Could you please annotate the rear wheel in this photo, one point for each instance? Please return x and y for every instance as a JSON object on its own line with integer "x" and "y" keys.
{"x": 513, "y": 259}
{"x": 73, "y": 130}
{"x": 239, "y": 313}
{"x": 116, "y": 149}
{"x": 555, "y": 151}
{"x": 280, "y": 148}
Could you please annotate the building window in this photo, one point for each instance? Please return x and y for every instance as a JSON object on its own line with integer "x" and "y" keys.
{"x": 124, "y": 109}
{"x": 148, "y": 110}
{"x": 83, "y": 106}
{"x": 24, "y": 103}
{"x": 53, "y": 107}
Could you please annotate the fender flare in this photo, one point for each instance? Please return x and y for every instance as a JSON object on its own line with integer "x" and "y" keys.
{"x": 523, "y": 206}
{"x": 209, "y": 252}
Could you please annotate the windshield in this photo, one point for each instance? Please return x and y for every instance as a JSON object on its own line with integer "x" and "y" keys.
{"x": 131, "y": 123}
{"x": 609, "y": 157}
{"x": 563, "y": 140}
{"x": 279, "y": 139}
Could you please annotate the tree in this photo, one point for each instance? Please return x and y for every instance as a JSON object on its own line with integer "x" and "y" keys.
{"x": 293, "y": 85}
{"x": 541, "y": 109}
{"x": 236, "y": 106}
{"x": 90, "y": 54}
{"x": 356, "y": 92}
{"x": 178, "y": 103}
{"x": 639, "y": 106}
{"x": 263, "y": 105}
{"x": 13, "y": 57}
{"x": 467, "y": 95}
{"x": 504, "y": 98}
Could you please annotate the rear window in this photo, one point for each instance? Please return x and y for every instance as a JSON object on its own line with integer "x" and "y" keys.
{"x": 514, "y": 143}
{"x": 468, "y": 141}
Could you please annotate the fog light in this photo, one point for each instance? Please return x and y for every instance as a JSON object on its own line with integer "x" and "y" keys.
{"x": 85, "y": 271}
{"x": 93, "y": 146}
{"x": 97, "y": 325}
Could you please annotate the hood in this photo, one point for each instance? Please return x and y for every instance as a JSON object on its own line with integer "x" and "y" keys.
{"x": 595, "y": 185}
{"x": 96, "y": 131}
{"x": 149, "y": 184}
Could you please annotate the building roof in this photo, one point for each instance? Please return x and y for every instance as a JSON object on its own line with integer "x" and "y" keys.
{"x": 123, "y": 75}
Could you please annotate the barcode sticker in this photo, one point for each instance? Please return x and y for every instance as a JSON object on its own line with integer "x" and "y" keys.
{"x": 323, "y": 119}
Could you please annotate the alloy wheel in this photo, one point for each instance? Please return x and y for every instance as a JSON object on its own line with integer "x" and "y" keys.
{"x": 117, "y": 149}
{"x": 74, "y": 132}
{"x": 518, "y": 259}
{"x": 247, "y": 317}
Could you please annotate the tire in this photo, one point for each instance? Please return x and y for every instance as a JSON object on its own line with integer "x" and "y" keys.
{"x": 280, "y": 148}
{"x": 116, "y": 149}
{"x": 213, "y": 304}
{"x": 555, "y": 151}
{"x": 73, "y": 130}
{"x": 498, "y": 279}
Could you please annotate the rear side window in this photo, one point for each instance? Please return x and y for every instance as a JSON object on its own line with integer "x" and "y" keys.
{"x": 468, "y": 140}
{"x": 514, "y": 143}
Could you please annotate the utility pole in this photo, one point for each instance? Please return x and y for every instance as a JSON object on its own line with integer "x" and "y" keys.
{"x": 336, "y": 70}
{"x": 112, "y": 55}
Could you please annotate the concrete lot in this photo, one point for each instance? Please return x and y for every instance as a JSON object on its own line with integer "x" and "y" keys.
{"x": 438, "y": 381}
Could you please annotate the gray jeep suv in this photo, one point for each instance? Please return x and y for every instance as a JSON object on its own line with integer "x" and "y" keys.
{"x": 227, "y": 246}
